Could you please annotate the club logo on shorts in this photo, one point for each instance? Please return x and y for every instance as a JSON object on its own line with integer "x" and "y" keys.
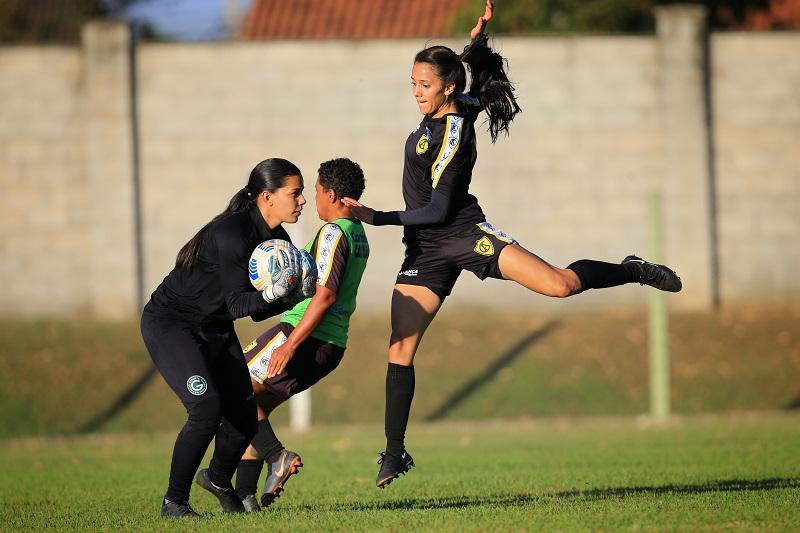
{"x": 484, "y": 246}
{"x": 197, "y": 385}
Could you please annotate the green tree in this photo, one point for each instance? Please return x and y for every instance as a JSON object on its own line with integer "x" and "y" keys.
{"x": 38, "y": 21}
{"x": 28, "y": 21}
{"x": 521, "y": 17}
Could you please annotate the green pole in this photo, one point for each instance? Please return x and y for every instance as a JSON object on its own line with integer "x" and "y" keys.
{"x": 658, "y": 326}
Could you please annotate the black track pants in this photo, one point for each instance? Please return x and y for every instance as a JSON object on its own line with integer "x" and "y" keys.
{"x": 205, "y": 367}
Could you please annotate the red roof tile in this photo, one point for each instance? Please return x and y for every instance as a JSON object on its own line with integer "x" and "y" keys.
{"x": 782, "y": 14}
{"x": 779, "y": 14}
{"x": 349, "y": 19}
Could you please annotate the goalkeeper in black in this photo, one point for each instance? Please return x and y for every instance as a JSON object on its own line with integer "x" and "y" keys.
{"x": 187, "y": 326}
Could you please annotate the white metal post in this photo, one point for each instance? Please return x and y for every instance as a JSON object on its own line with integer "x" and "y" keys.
{"x": 300, "y": 411}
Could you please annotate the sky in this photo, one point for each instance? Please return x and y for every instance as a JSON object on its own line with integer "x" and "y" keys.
{"x": 187, "y": 20}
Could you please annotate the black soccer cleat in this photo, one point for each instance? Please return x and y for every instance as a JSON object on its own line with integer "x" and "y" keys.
{"x": 280, "y": 470}
{"x": 392, "y": 466}
{"x": 658, "y": 276}
{"x": 228, "y": 499}
{"x": 176, "y": 509}
{"x": 250, "y": 504}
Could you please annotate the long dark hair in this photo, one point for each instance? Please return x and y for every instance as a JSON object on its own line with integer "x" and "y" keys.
{"x": 269, "y": 175}
{"x": 489, "y": 80}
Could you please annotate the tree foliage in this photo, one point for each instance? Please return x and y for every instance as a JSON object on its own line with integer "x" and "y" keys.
{"x": 28, "y": 21}
{"x": 59, "y": 21}
{"x": 520, "y": 17}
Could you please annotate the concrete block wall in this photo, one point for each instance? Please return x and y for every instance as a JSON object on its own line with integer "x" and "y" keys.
{"x": 606, "y": 120}
{"x": 44, "y": 187}
{"x": 757, "y": 153}
{"x": 566, "y": 183}
{"x": 209, "y": 113}
{"x": 572, "y": 179}
{"x": 109, "y": 169}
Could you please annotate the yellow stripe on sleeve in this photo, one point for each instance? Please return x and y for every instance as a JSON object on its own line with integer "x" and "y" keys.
{"x": 326, "y": 249}
{"x": 449, "y": 147}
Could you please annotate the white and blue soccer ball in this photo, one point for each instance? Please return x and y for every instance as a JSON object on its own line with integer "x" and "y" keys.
{"x": 275, "y": 265}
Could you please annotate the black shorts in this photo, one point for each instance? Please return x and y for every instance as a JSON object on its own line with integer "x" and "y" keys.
{"x": 313, "y": 360}
{"x": 437, "y": 264}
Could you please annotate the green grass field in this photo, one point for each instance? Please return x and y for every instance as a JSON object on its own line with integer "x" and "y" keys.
{"x": 58, "y": 377}
{"x": 538, "y": 428}
{"x": 719, "y": 472}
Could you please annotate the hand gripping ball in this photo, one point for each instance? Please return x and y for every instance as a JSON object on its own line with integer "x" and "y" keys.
{"x": 275, "y": 265}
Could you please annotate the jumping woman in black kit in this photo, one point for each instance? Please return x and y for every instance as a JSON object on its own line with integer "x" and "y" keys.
{"x": 445, "y": 230}
{"x": 187, "y": 327}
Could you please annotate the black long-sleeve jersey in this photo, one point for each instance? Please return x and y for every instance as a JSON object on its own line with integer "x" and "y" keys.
{"x": 218, "y": 287}
{"x": 439, "y": 157}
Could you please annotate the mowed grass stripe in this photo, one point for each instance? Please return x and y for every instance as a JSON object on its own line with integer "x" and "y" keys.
{"x": 728, "y": 472}
{"x": 585, "y": 364}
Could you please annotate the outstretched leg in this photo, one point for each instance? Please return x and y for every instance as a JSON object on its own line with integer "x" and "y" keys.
{"x": 413, "y": 309}
{"x": 534, "y": 273}
{"x": 529, "y": 270}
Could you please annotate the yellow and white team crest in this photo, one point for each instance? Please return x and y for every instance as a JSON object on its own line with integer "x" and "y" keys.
{"x": 423, "y": 144}
{"x": 484, "y": 246}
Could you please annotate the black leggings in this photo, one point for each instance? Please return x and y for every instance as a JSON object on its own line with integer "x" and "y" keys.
{"x": 205, "y": 367}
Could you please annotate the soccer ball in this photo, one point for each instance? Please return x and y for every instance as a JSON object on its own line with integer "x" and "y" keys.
{"x": 274, "y": 264}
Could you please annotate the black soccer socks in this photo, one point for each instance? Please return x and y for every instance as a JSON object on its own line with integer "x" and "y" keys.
{"x": 600, "y": 275}
{"x": 266, "y": 442}
{"x": 399, "y": 393}
{"x": 247, "y": 475}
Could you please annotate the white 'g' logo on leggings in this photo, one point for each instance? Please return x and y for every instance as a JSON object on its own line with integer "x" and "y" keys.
{"x": 197, "y": 385}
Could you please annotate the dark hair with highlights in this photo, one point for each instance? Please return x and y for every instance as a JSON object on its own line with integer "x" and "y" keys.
{"x": 342, "y": 175}
{"x": 490, "y": 83}
{"x": 269, "y": 175}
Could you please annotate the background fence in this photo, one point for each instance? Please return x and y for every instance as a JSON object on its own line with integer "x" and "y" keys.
{"x": 715, "y": 125}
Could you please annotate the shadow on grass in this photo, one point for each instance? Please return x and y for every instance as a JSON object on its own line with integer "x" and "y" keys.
{"x": 724, "y": 485}
{"x": 794, "y": 405}
{"x": 521, "y": 500}
{"x": 122, "y": 401}
{"x": 485, "y": 377}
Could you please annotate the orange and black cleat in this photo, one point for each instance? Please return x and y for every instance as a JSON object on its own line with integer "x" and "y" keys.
{"x": 280, "y": 470}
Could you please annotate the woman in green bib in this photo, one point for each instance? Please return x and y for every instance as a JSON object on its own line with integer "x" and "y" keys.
{"x": 310, "y": 340}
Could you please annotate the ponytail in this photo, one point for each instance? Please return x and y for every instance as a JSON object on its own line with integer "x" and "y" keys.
{"x": 491, "y": 84}
{"x": 269, "y": 175}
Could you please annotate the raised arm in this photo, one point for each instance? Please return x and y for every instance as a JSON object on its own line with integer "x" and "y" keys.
{"x": 483, "y": 20}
